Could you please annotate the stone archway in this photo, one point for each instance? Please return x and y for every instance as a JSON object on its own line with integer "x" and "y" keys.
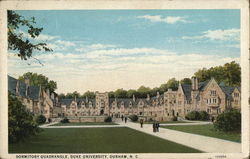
{"x": 101, "y": 112}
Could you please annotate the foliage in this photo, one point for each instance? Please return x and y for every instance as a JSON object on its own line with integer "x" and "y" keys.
{"x": 40, "y": 119}
{"x": 172, "y": 84}
{"x": 75, "y": 94}
{"x": 61, "y": 96}
{"x": 204, "y": 115}
{"x": 174, "y": 118}
{"x": 186, "y": 81}
{"x": 39, "y": 80}
{"x": 193, "y": 115}
{"x": 65, "y": 120}
{"x": 228, "y": 121}
{"x": 230, "y": 74}
{"x": 21, "y": 122}
{"x": 19, "y": 42}
{"x": 88, "y": 94}
{"x": 120, "y": 93}
{"x": 108, "y": 119}
{"x": 133, "y": 117}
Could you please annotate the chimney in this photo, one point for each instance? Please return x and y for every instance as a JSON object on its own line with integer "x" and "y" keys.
{"x": 17, "y": 87}
{"x": 158, "y": 95}
{"x": 47, "y": 92}
{"x": 87, "y": 100}
{"x": 194, "y": 83}
{"x": 148, "y": 97}
{"x": 133, "y": 97}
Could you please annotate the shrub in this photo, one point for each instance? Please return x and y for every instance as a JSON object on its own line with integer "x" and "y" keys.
{"x": 133, "y": 118}
{"x": 174, "y": 118}
{"x": 228, "y": 121}
{"x": 194, "y": 115}
{"x": 40, "y": 119}
{"x": 21, "y": 123}
{"x": 65, "y": 120}
{"x": 204, "y": 115}
{"x": 108, "y": 119}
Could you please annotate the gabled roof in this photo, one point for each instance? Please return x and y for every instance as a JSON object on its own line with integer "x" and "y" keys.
{"x": 227, "y": 90}
{"x": 33, "y": 91}
{"x": 202, "y": 85}
{"x": 187, "y": 90}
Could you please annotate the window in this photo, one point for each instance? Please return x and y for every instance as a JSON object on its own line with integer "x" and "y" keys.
{"x": 213, "y": 92}
{"x": 236, "y": 95}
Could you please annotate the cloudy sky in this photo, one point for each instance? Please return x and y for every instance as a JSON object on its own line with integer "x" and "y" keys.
{"x": 103, "y": 50}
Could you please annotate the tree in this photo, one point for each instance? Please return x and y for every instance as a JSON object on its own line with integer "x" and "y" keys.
{"x": 88, "y": 94}
{"x": 21, "y": 122}
{"x": 120, "y": 93}
{"x": 75, "y": 94}
{"x": 17, "y": 40}
{"x": 143, "y": 91}
{"x": 229, "y": 73}
{"x": 172, "y": 84}
{"x": 39, "y": 80}
{"x": 61, "y": 96}
{"x": 131, "y": 92}
{"x": 228, "y": 121}
{"x": 186, "y": 81}
{"x": 111, "y": 94}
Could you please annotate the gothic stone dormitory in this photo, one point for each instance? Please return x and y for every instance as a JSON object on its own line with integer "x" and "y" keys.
{"x": 208, "y": 96}
{"x": 36, "y": 99}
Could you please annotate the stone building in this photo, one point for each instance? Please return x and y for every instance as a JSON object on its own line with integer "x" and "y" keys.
{"x": 36, "y": 99}
{"x": 206, "y": 96}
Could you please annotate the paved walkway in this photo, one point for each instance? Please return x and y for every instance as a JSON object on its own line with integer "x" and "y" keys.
{"x": 189, "y": 123}
{"x": 50, "y": 125}
{"x": 203, "y": 143}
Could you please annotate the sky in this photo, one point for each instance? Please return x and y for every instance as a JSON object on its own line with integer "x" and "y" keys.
{"x": 104, "y": 50}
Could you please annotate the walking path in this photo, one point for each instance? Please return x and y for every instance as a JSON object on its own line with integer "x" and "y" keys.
{"x": 78, "y": 126}
{"x": 189, "y": 123}
{"x": 203, "y": 143}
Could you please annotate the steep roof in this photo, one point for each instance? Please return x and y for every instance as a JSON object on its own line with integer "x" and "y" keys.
{"x": 227, "y": 90}
{"x": 33, "y": 91}
{"x": 202, "y": 85}
{"x": 187, "y": 90}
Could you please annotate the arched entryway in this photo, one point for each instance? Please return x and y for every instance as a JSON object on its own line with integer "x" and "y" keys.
{"x": 101, "y": 112}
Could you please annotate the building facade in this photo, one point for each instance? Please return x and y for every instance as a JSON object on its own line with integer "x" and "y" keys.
{"x": 36, "y": 99}
{"x": 206, "y": 96}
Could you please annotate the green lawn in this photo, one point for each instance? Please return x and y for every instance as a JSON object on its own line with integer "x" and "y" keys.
{"x": 206, "y": 130}
{"x": 97, "y": 140}
{"x": 85, "y": 123}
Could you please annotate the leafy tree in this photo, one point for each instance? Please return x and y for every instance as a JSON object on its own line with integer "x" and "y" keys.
{"x": 111, "y": 94}
{"x": 143, "y": 91}
{"x": 39, "y": 80}
{"x": 172, "y": 84}
{"x": 120, "y": 93}
{"x": 186, "y": 81}
{"x": 193, "y": 115}
{"x": 230, "y": 74}
{"x": 40, "y": 119}
{"x": 88, "y": 94}
{"x": 131, "y": 92}
{"x": 228, "y": 121}
{"x": 16, "y": 39}
{"x": 204, "y": 115}
{"x": 61, "y": 96}
{"x": 21, "y": 122}
{"x": 75, "y": 94}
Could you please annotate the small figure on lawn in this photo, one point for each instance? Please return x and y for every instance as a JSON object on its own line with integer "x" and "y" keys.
{"x": 141, "y": 122}
{"x": 157, "y": 126}
{"x": 122, "y": 117}
{"x": 126, "y": 119}
{"x": 154, "y": 126}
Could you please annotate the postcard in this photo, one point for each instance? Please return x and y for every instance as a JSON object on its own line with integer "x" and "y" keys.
{"x": 124, "y": 79}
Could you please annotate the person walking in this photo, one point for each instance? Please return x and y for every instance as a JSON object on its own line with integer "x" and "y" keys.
{"x": 157, "y": 126}
{"x": 122, "y": 117}
{"x": 126, "y": 119}
{"x": 141, "y": 122}
{"x": 154, "y": 126}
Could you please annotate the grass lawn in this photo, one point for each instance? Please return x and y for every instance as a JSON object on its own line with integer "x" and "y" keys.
{"x": 207, "y": 130}
{"x": 85, "y": 123}
{"x": 96, "y": 140}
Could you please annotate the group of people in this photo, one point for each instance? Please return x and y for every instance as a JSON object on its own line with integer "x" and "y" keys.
{"x": 125, "y": 118}
{"x": 156, "y": 126}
